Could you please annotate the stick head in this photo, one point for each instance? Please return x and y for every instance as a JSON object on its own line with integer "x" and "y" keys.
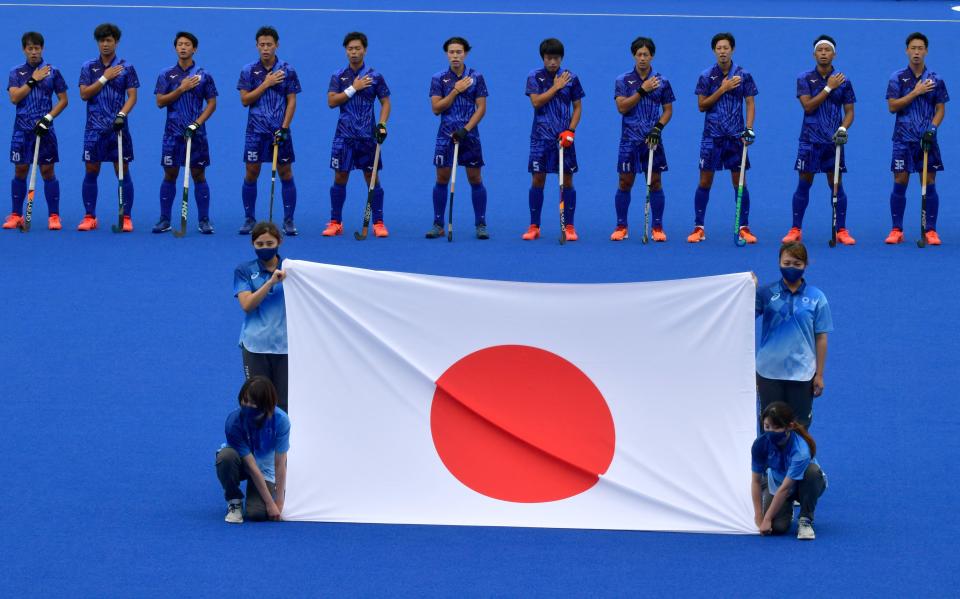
{"x": 358, "y": 236}
{"x": 921, "y": 243}
{"x": 740, "y": 241}
{"x": 832, "y": 243}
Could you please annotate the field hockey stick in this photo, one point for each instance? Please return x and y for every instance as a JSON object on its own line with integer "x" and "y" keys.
{"x": 28, "y": 214}
{"x": 118, "y": 228}
{"x": 922, "y": 242}
{"x": 646, "y": 204}
{"x": 273, "y": 176}
{"x": 453, "y": 183}
{"x": 833, "y": 202}
{"x": 367, "y": 210}
{"x": 185, "y": 200}
{"x": 737, "y": 239}
{"x": 563, "y": 217}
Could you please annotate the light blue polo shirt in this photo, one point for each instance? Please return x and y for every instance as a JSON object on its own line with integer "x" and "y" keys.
{"x": 264, "y": 330}
{"x": 790, "y": 324}
{"x": 264, "y": 443}
{"x": 779, "y": 463}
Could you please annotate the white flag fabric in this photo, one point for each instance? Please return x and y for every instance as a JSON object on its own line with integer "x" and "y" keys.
{"x": 436, "y": 400}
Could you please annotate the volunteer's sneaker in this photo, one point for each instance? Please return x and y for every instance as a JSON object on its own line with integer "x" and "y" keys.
{"x": 571, "y": 233}
{"x": 89, "y": 223}
{"x": 434, "y": 232}
{"x": 380, "y": 229}
{"x": 805, "y": 530}
{"x": 932, "y": 237}
{"x": 482, "y": 232}
{"x": 205, "y": 226}
{"x": 13, "y": 221}
{"x": 127, "y": 224}
{"x": 289, "y": 229}
{"x": 333, "y": 229}
{"x": 53, "y": 222}
{"x": 248, "y": 224}
{"x": 162, "y": 226}
{"x": 532, "y": 233}
{"x": 844, "y": 237}
{"x": 234, "y": 513}
{"x": 697, "y": 235}
{"x": 658, "y": 234}
{"x": 895, "y": 236}
{"x": 795, "y": 234}
{"x": 746, "y": 235}
{"x": 619, "y": 234}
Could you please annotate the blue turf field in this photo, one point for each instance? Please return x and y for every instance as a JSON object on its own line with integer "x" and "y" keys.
{"x": 119, "y": 352}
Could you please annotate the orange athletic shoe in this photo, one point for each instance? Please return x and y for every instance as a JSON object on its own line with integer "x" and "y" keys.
{"x": 747, "y": 236}
{"x": 794, "y": 235}
{"x": 13, "y": 221}
{"x": 932, "y": 237}
{"x": 532, "y": 233}
{"x": 89, "y": 223}
{"x": 53, "y": 222}
{"x": 127, "y": 224}
{"x": 658, "y": 234}
{"x": 333, "y": 229}
{"x": 571, "y": 233}
{"x": 697, "y": 236}
{"x": 844, "y": 237}
{"x": 895, "y": 236}
{"x": 619, "y": 234}
{"x": 379, "y": 229}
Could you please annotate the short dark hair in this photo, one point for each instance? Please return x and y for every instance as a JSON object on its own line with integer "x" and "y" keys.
{"x": 265, "y": 227}
{"x": 105, "y": 30}
{"x": 31, "y": 38}
{"x": 268, "y": 31}
{"x": 188, "y": 35}
{"x": 260, "y": 391}
{"x": 916, "y": 35}
{"x": 551, "y": 45}
{"x": 355, "y": 35}
{"x": 795, "y": 249}
{"x": 457, "y": 40}
{"x": 726, "y": 35}
{"x": 825, "y": 38}
{"x": 643, "y": 42}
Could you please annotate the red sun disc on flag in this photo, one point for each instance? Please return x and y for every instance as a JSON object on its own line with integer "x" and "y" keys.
{"x": 521, "y": 424}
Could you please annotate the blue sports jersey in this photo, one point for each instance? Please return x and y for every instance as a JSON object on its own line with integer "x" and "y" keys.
{"x": 725, "y": 118}
{"x": 637, "y": 123}
{"x": 790, "y": 324}
{"x": 102, "y": 108}
{"x": 917, "y": 117}
{"x": 789, "y": 461}
{"x": 185, "y": 109}
{"x": 553, "y": 118}
{"x": 464, "y": 105}
{"x": 40, "y": 99}
{"x": 264, "y": 443}
{"x": 820, "y": 125}
{"x": 264, "y": 330}
{"x": 266, "y": 114}
{"x": 356, "y": 114}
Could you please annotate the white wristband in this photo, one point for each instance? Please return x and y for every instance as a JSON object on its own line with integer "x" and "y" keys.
{"x": 350, "y": 91}
{"x": 103, "y": 80}
{"x": 49, "y": 117}
{"x": 841, "y": 129}
{"x": 827, "y": 88}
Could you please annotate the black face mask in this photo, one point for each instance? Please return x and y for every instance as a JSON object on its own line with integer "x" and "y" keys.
{"x": 266, "y": 254}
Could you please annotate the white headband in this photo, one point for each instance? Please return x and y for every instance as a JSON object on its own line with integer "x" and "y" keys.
{"x": 827, "y": 42}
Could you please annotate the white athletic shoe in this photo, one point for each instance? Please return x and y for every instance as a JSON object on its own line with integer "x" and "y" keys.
{"x": 805, "y": 530}
{"x": 234, "y": 513}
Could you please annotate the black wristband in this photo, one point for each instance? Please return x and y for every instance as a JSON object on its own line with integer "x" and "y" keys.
{"x": 642, "y": 92}
{"x": 31, "y": 82}
{"x": 661, "y": 125}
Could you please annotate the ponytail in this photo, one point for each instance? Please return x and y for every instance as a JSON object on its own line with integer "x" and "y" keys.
{"x": 802, "y": 431}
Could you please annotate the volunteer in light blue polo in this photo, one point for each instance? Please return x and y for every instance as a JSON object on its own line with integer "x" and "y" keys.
{"x": 793, "y": 337}
{"x": 258, "y": 287}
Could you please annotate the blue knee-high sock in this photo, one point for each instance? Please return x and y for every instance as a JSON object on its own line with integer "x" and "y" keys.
{"x": 127, "y": 194}
{"x": 18, "y": 191}
{"x": 700, "y": 199}
{"x": 89, "y": 193}
{"x": 376, "y": 204}
{"x": 535, "y": 199}
{"x": 478, "y": 195}
{"x": 249, "y": 197}
{"x": 338, "y": 197}
{"x": 801, "y": 198}
{"x": 569, "y": 204}
{"x": 288, "y": 191}
{"x": 201, "y": 192}
{"x": 51, "y": 191}
{"x": 898, "y": 202}
{"x": 841, "y": 207}
{"x": 657, "y": 202}
{"x": 439, "y": 203}
{"x": 744, "y": 207}
{"x": 622, "y": 202}
{"x": 933, "y": 206}
{"x": 168, "y": 190}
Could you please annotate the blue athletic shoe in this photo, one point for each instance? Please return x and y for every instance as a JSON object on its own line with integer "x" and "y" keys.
{"x": 289, "y": 229}
{"x": 162, "y": 226}
{"x": 248, "y": 225}
{"x": 205, "y": 226}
